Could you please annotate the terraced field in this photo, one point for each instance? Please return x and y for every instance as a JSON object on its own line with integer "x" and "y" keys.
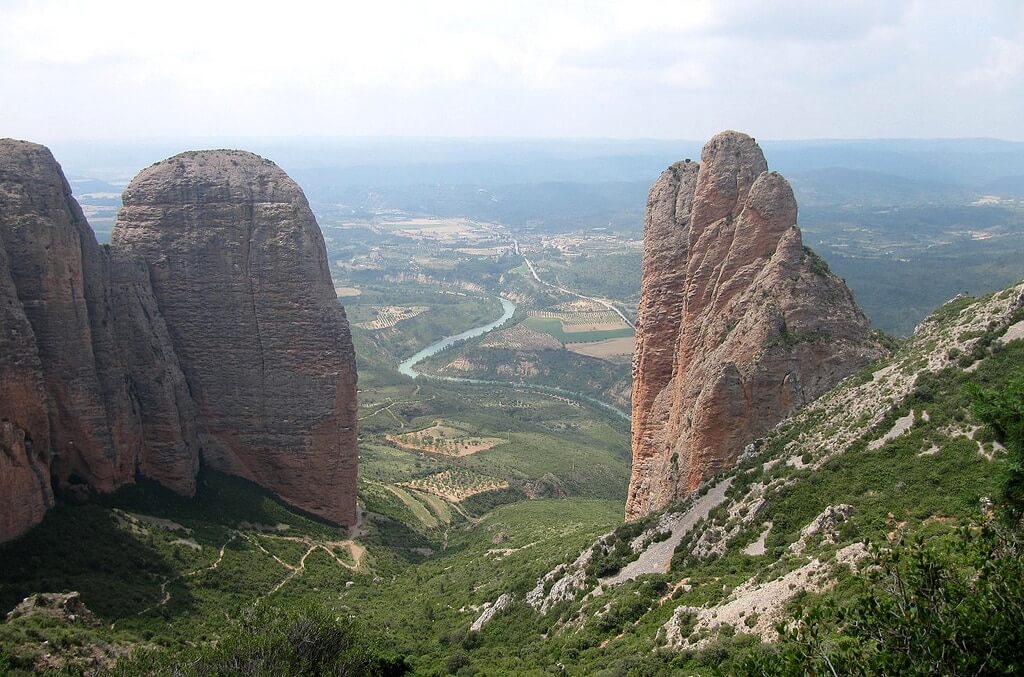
{"x": 445, "y": 438}
{"x": 457, "y": 484}
{"x": 389, "y": 316}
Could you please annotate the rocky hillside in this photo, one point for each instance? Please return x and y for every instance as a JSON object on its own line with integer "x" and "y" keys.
{"x": 739, "y": 324}
{"x": 105, "y": 376}
{"x": 894, "y": 453}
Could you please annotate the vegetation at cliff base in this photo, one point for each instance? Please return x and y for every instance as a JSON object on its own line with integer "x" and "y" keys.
{"x": 272, "y": 641}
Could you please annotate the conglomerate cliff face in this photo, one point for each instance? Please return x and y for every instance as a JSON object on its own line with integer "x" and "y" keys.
{"x": 25, "y": 491}
{"x": 239, "y": 271}
{"x": 58, "y": 281}
{"x": 738, "y": 324}
{"x": 99, "y": 386}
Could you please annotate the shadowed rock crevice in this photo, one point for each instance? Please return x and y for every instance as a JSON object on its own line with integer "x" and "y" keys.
{"x": 737, "y": 324}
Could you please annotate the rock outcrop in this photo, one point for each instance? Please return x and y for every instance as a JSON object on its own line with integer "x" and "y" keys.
{"x": 70, "y": 416}
{"x": 25, "y": 492}
{"x": 239, "y": 270}
{"x": 739, "y": 323}
{"x": 99, "y": 386}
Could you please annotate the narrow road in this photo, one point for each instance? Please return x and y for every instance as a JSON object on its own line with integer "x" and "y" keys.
{"x": 607, "y": 304}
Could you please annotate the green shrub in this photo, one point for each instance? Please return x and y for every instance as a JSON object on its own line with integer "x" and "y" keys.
{"x": 270, "y": 641}
{"x": 949, "y": 609}
{"x": 1002, "y": 409}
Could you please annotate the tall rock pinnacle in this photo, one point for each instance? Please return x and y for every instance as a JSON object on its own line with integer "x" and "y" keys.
{"x": 239, "y": 271}
{"x": 738, "y": 323}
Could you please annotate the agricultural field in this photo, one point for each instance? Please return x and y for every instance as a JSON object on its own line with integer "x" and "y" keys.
{"x": 588, "y": 330}
{"x": 444, "y": 438}
{"x": 389, "y": 316}
{"x": 520, "y": 337}
{"x": 456, "y": 484}
{"x": 453, "y": 230}
{"x": 470, "y": 448}
{"x": 574, "y": 322}
{"x": 615, "y": 349}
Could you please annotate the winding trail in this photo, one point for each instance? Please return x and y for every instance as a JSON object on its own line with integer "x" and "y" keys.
{"x": 167, "y": 581}
{"x": 357, "y": 551}
{"x": 387, "y": 408}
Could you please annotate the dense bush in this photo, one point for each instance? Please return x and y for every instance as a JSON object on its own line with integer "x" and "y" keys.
{"x": 274, "y": 642}
{"x": 1003, "y": 410}
{"x": 950, "y": 607}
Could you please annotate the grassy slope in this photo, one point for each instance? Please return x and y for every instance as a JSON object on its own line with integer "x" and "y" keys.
{"x": 892, "y": 489}
{"x": 123, "y": 574}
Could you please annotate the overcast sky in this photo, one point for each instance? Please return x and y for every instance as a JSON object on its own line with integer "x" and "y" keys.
{"x": 676, "y": 69}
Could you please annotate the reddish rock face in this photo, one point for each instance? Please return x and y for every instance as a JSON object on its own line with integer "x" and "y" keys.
{"x": 25, "y": 493}
{"x": 210, "y": 328}
{"x": 738, "y": 323}
{"x": 239, "y": 271}
{"x": 77, "y": 412}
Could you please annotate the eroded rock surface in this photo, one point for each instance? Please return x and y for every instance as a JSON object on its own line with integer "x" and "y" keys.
{"x": 739, "y": 323}
{"x": 74, "y": 415}
{"x": 210, "y": 330}
{"x": 239, "y": 270}
{"x": 25, "y": 493}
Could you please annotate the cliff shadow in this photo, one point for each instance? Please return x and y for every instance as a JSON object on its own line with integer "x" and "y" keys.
{"x": 119, "y": 567}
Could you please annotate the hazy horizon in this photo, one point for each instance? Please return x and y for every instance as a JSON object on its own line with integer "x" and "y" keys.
{"x": 113, "y": 70}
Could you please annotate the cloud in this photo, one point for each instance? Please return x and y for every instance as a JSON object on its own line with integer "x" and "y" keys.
{"x": 787, "y": 68}
{"x": 1004, "y": 67}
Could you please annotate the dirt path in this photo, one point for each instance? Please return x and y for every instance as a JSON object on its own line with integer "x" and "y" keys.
{"x": 657, "y": 558}
{"x": 357, "y": 551}
{"x": 387, "y": 407}
{"x": 167, "y": 581}
{"x": 294, "y": 571}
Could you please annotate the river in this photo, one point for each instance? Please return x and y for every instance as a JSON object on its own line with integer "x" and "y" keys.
{"x": 508, "y": 309}
{"x": 406, "y": 367}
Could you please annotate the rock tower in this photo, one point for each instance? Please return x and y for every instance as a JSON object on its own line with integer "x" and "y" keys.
{"x": 738, "y": 325}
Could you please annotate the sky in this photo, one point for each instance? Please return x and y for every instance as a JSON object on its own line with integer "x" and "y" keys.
{"x": 674, "y": 69}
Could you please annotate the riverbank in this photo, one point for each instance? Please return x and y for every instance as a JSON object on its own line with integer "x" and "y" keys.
{"x": 407, "y": 367}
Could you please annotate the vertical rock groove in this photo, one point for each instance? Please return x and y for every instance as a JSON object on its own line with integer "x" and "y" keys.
{"x": 736, "y": 327}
